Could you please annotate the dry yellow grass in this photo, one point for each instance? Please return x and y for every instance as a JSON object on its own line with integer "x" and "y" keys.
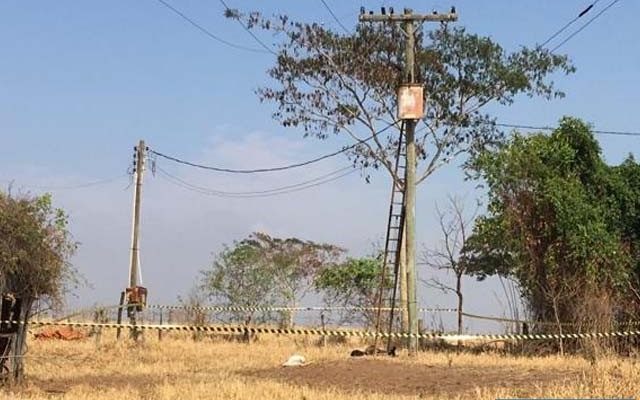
{"x": 179, "y": 368}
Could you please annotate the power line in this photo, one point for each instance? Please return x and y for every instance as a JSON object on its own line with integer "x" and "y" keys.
{"x": 551, "y": 128}
{"x": 327, "y": 178}
{"x": 265, "y": 191}
{"x": 71, "y": 187}
{"x": 585, "y": 25}
{"x": 580, "y": 15}
{"x": 272, "y": 169}
{"x": 568, "y": 24}
{"x": 335, "y": 17}
{"x": 206, "y": 31}
{"x": 246, "y": 28}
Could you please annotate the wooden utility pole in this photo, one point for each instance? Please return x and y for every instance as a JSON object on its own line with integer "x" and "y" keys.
{"x": 408, "y": 20}
{"x": 402, "y": 279}
{"x": 410, "y": 192}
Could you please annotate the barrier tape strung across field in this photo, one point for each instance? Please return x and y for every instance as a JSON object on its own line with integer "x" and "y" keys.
{"x": 261, "y": 309}
{"x": 531, "y": 322}
{"x": 452, "y": 310}
{"x": 98, "y": 308}
{"x": 234, "y": 308}
{"x": 341, "y": 333}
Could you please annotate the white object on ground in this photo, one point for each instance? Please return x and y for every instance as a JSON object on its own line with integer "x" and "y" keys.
{"x": 295, "y": 361}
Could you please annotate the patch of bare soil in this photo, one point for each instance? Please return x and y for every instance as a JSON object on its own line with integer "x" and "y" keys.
{"x": 397, "y": 377}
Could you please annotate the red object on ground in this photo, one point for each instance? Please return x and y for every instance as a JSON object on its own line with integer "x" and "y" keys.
{"x": 60, "y": 333}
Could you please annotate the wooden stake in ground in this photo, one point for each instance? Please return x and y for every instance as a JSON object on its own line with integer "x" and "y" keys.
{"x": 408, "y": 19}
{"x": 119, "y": 318}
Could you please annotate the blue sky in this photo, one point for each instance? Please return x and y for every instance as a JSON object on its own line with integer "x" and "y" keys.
{"x": 81, "y": 82}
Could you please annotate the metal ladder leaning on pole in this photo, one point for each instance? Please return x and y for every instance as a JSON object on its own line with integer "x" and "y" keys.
{"x": 393, "y": 240}
{"x": 410, "y": 111}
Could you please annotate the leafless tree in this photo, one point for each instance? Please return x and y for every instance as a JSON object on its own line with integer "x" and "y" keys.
{"x": 455, "y": 226}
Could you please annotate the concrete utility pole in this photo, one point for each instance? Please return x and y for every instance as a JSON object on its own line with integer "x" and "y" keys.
{"x": 136, "y": 294}
{"x": 408, "y": 20}
{"x": 135, "y": 228}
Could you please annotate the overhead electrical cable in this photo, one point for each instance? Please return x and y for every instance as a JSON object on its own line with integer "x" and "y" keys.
{"x": 580, "y": 15}
{"x": 335, "y": 17}
{"x": 585, "y": 25}
{"x": 551, "y": 128}
{"x": 266, "y": 191}
{"x": 272, "y": 169}
{"x": 327, "y": 178}
{"x": 208, "y": 32}
{"x": 71, "y": 187}
{"x": 246, "y": 28}
{"x": 568, "y": 24}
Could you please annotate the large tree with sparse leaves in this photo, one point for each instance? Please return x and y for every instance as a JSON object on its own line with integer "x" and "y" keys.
{"x": 326, "y": 83}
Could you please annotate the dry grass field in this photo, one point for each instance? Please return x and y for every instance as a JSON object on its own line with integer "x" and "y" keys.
{"x": 179, "y": 368}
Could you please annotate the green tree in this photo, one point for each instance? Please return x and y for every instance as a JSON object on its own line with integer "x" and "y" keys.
{"x": 239, "y": 277}
{"x": 551, "y": 222}
{"x": 354, "y": 284}
{"x": 35, "y": 247}
{"x": 262, "y": 271}
{"x": 623, "y": 199}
